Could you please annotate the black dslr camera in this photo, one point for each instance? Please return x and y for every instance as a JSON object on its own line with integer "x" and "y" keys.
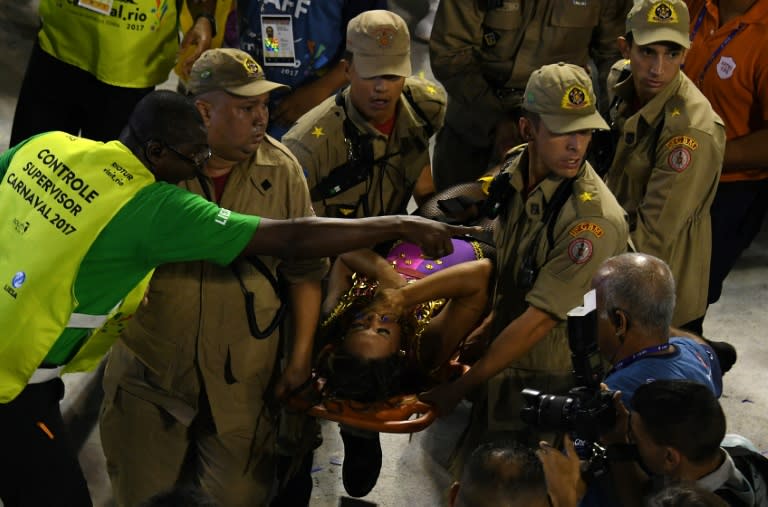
{"x": 585, "y": 411}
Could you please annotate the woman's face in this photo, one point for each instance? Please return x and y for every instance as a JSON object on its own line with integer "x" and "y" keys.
{"x": 373, "y": 335}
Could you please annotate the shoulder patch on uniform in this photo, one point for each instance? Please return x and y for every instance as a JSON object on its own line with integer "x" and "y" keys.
{"x": 682, "y": 141}
{"x": 592, "y": 227}
{"x": 680, "y": 158}
{"x": 580, "y": 250}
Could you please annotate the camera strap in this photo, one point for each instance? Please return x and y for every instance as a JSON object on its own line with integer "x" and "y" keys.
{"x": 249, "y": 296}
{"x": 640, "y": 354}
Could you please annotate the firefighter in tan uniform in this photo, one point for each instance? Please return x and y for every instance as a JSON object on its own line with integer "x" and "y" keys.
{"x": 184, "y": 388}
{"x": 669, "y": 153}
{"x": 366, "y": 150}
{"x": 558, "y": 223}
{"x": 483, "y": 52}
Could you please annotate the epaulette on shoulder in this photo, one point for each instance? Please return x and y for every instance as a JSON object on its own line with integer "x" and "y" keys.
{"x": 587, "y": 193}
{"x": 277, "y": 145}
{"x": 691, "y": 109}
{"x": 511, "y": 155}
{"x": 315, "y": 126}
{"x": 427, "y": 98}
{"x": 677, "y": 113}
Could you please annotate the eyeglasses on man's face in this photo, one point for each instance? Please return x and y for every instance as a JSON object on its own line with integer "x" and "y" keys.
{"x": 198, "y": 160}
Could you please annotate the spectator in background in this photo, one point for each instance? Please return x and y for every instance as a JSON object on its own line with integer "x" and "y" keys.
{"x": 728, "y": 63}
{"x": 104, "y": 62}
{"x": 304, "y": 51}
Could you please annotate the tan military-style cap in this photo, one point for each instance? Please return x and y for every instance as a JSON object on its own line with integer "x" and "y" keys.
{"x": 562, "y": 95}
{"x": 380, "y": 44}
{"x": 654, "y": 21}
{"x": 232, "y": 70}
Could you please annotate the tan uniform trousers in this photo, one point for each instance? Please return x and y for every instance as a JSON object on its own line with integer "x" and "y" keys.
{"x": 236, "y": 468}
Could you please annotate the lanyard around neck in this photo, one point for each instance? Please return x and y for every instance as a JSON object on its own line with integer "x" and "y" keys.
{"x": 726, "y": 41}
{"x": 639, "y": 355}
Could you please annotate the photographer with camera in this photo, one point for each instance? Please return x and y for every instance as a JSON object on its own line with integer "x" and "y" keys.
{"x": 635, "y": 295}
{"x": 673, "y": 436}
{"x": 674, "y": 432}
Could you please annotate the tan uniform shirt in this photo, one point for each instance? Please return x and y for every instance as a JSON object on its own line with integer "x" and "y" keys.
{"x": 590, "y": 228}
{"x": 483, "y": 55}
{"x": 665, "y": 174}
{"x": 318, "y": 142}
{"x": 194, "y": 329}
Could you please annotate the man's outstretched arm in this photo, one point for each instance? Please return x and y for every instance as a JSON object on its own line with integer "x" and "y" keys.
{"x": 304, "y": 238}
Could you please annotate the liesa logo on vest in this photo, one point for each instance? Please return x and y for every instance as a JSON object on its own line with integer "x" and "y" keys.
{"x": 16, "y": 282}
{"x": 223, "y": 216}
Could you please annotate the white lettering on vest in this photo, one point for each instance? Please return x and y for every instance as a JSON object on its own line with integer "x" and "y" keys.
{"x": 223, "y": 216}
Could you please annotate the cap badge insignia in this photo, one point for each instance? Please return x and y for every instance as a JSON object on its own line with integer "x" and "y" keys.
{"x": 251, "y": 67}
{"x": 576, "y": 97}
{"x": 384, "y": 37}
{"x": 662, "y": 12}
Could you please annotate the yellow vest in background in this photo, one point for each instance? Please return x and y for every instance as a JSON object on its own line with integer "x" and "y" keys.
{"x": 134, "y": 46}
{"x": 57, "y": 195}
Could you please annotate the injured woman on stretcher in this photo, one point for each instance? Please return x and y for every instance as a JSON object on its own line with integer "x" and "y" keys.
{"x": 393, "y": 327}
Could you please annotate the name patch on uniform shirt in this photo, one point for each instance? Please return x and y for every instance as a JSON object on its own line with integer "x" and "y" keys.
{"x": 595, "y": 229}
{"x": 682, "y": 141}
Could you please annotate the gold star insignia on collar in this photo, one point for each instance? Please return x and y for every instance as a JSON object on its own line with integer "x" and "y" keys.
{"x": 431, "y": 90}
{"x": 317, "y": 132}
{"x": 585, "y": 196}
{"x": 676, "y": 112}
{"x": 422, "y": 75}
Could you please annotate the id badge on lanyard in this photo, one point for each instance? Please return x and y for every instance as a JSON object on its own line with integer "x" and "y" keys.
{"x": 277, "y": 41}
{"x": 101, "y": 6}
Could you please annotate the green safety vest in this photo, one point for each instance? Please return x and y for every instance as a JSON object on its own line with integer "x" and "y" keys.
{"x": 57, "y": 195}
{"x": 133, "y": 47}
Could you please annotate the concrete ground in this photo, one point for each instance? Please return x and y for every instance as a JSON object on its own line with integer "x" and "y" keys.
{"x": 413, "y": 469}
